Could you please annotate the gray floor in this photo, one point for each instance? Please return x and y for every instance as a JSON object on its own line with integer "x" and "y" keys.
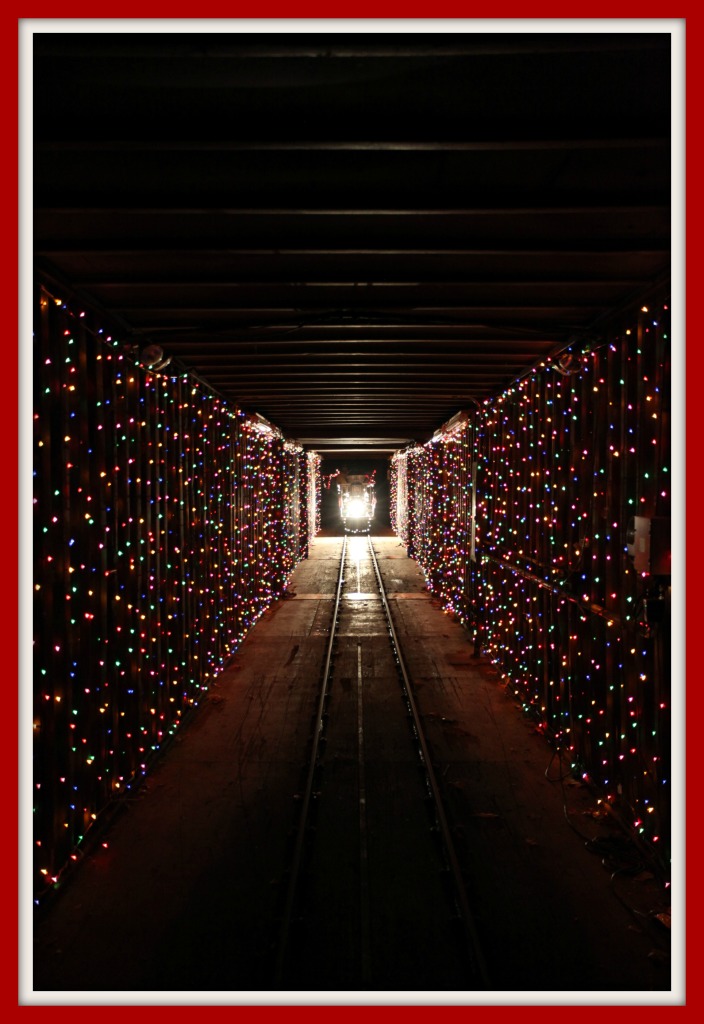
{"x": 180, "y": 906}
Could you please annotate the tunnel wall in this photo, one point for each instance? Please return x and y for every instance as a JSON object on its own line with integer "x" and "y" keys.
{"x": 519, "y": 515}
{"x": 165, "y": 523}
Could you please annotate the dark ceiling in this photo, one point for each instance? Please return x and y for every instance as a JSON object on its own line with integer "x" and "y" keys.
{"x": 355, "y": 235}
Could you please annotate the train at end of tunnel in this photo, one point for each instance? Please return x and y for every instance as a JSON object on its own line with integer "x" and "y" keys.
{"x": 357, "y": 501}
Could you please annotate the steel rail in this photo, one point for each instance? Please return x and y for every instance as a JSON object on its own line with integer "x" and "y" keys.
{"x": 307, "y": 795}
{"x": 463, "y": 906}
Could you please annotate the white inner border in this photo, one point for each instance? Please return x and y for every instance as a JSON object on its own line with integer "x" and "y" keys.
{"x": 26, "y": 29}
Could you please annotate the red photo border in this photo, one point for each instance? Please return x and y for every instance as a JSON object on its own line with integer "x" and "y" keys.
{"x": 11, "y": 431}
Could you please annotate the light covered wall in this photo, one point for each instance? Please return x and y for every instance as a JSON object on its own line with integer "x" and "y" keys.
{"x": 542, "y": 520}
{"x": 165, "y": 523}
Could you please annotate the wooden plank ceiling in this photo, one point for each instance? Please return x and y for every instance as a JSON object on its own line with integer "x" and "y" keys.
{"x": 355, "y": 235}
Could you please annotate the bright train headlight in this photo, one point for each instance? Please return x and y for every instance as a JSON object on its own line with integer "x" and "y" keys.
{"x": 356, "y": 508}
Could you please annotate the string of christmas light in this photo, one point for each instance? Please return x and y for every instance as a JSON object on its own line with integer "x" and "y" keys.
{"x": 165, "y": 523}
{"x": 314, "y": 493}
{"x": 565, "y": 458}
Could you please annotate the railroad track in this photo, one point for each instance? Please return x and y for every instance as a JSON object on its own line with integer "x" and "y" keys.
{"x": 373, "y": 896}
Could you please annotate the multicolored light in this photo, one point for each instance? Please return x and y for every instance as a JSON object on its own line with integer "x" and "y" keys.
{"x": 520, "y": 520}
{"x": 166, "y": 522}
